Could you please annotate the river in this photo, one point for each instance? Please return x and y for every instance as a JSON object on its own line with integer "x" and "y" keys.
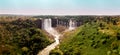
{"x": 53, "y": 32}
{"x": 48, "y": 27}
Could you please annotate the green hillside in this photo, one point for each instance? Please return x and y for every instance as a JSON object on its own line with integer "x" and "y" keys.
{"x": 21, "y": 37}
{"x": 93, "y": 38}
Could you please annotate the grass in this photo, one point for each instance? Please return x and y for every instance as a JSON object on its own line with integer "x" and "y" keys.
{"x": 91, "y": 39}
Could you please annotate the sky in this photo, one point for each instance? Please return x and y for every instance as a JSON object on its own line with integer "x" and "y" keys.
{"x": 60, "y": 7}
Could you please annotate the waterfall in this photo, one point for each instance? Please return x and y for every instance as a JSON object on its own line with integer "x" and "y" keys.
{"x": 71, "y": 25}
{"x": 47, "y": 24}
{"x": 48, "y": 27}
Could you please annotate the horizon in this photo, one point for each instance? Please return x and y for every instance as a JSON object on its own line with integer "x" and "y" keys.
{"x": 60, "y": 15}
{"x": 60, "y": 7}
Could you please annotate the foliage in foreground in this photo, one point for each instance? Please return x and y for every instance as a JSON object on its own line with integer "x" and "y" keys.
{"x": 21, "y": 37}
{"x": 93, "y": 38}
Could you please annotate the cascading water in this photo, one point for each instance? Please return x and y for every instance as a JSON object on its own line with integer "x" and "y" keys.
{"x": 71, "y": 25}
{"x": 47, "y": 24}
{"x": 48, "y": 27}
{"x": 50, "y": 30}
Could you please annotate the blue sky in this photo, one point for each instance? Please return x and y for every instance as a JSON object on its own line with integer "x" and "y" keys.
{"x": 60, "y": 7}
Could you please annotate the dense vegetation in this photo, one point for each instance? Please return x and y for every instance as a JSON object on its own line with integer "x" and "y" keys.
{"x": 95, "y": 37}
{"x": 21, "y": 37}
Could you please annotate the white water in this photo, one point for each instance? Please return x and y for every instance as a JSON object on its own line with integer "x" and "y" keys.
{"x": 47, "y": 26}
{"x": 71, "y": 25}
{"x": 50, "y": 30}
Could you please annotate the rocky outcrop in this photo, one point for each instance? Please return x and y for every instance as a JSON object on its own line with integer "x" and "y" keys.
{"x": 59, "y": 22}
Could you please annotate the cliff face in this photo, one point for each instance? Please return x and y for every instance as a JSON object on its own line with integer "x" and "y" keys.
{"x": 38, "y": 23}
{"x": 59, "y": 22}
{"x": 54, "y": 22}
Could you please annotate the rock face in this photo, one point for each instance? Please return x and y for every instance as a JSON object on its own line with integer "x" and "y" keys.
{"x": 55, "y": 22}
{"x": 38, "y": 23}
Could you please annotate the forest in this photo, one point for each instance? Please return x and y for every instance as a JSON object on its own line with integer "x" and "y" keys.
{"x": 96, "y": 35}
{"x": 21, "y": 37}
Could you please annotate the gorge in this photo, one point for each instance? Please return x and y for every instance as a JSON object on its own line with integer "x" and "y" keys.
{"x": 47, "y": 26}
{"x": 80, "y": 35}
